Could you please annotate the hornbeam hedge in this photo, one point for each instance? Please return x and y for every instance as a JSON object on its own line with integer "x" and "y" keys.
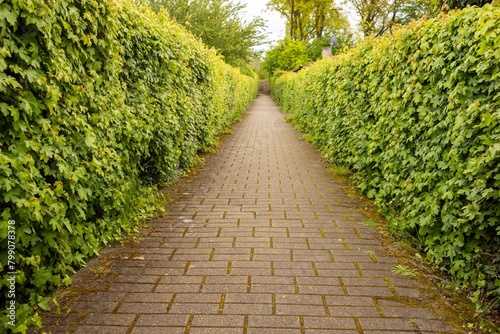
{"x": 417, "y": 115}
{"x": 100, "y": 102}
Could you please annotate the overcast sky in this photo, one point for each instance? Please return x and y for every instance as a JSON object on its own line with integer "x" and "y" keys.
{"x": 275, "y": 24}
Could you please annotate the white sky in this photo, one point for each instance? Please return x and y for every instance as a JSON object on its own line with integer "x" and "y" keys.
{"x": 275, "y": 24}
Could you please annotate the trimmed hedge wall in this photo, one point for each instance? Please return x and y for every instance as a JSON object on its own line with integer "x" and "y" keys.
{"x": 101, "y": 101}
{"x": 417, "y": 115}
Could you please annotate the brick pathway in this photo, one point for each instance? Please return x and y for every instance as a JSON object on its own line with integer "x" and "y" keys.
{"x": 261, "y": 241}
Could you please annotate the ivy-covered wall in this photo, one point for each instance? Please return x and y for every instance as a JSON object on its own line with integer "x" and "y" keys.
{"x": 101, "y": 101}
{"x": 417, "y": 115}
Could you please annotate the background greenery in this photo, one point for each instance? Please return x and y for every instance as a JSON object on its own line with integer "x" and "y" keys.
{"x": 101, "y": 102}
{"x": 416, "y": 114}
{"x": 219, "y": 24}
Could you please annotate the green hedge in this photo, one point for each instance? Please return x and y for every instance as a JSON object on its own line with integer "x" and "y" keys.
{"x": 101, "y": 102}
{"x": 417, "y": 115}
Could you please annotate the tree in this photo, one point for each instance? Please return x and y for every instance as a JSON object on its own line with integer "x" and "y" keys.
{"x": 378, "y": 16}
{"x": 309, "y": 19}
{"x": 218, "y": 24}
{"x": 464, "y": 3}
{"x": 288, "y": 55}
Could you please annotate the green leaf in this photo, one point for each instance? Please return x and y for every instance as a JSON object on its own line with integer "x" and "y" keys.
{"x": 90, "y": 140}
{"x": 44, "y": 304}
{"x": 6, "y": 14}
{"x": 42, "y": 276}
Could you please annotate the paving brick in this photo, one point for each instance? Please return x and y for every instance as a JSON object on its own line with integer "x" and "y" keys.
{"x": 311, "y": 310}
{"x": 217, "y": 287}
{"x": 158, "y": 330}
{"x": 104, "y": 307}
{"x": 251, "y": 271}
{"x": 232, "y": 279}
{"x": 128, "y": 263}
{"x": 233, "y": 257}
{"x": 273, "y": 288}
{"x": 299, "y": 299}
{"x": 206, "y": 271}
{"x": 433, "y": 326}
{"x": 408, "y": 292}
{"x": 143, "y": 308}
{"x": 353, "y": 311}
{"x": 251, "y": 264}
{"x": 105, "y": 329}
{"x": 272, "y": 257}
{"x": 108, "y": 319}
{"x": 388, "y": 324}
{"x": 273, "y": 251}
{"x": 206, "y": 264}
{"x": 203, "y": 320}
{"x": 164, "y": 265}
{"x": 258, "y": 309}
{"x": 323, "y": 281}
{"x": 410, "y": 313}
{"x": 293, "y": 265}
{"x": 307, "y": 272}
{"x": 248, "y": 298}
{"x": 216, "y": 330}
{"x": 377, "y": 273}
{"x": 274, "y": 321}
{"x": 329, "y": 331}
{"x": 320, "y": 290}
{"x": 369, "y": 291}
{"x": 373, "y": 331}
{"x": 196, "y": 251}
{"x": 349, "y": 301}
{"x": 329, "y": 323}
{"x": 163, "y": 248}
{"x": 208, "y": 298}
{"x": 274, "y": 331}
{"x": 178, "y": 288}
{"x": 271, "y": 232}
{"x": 152, "y": 257}
{"x": 231, "y": 251}
{"x": 125, "y": 270}
{"x": 404, "y": 282}
{"x": 311, "y": 257}
{"x": 193, "y": 308}
{"x": 163, "y": 320}
{"x": 135, "y": 279}
{"x": 181, "y": 280}
{"x": 272, "y": 280}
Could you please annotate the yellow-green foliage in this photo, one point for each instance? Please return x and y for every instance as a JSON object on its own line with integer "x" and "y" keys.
{"x": 417, "y": 115}
{"x": 100, "y": 101}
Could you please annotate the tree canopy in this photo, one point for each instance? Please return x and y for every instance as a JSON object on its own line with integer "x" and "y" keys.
{"x": 310, "y": 23}
{"x": 378, "y": 16}
{"x": 219, "y": 25}
{"x": 286, "y": 56}
{"x": 309, "y": 19}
